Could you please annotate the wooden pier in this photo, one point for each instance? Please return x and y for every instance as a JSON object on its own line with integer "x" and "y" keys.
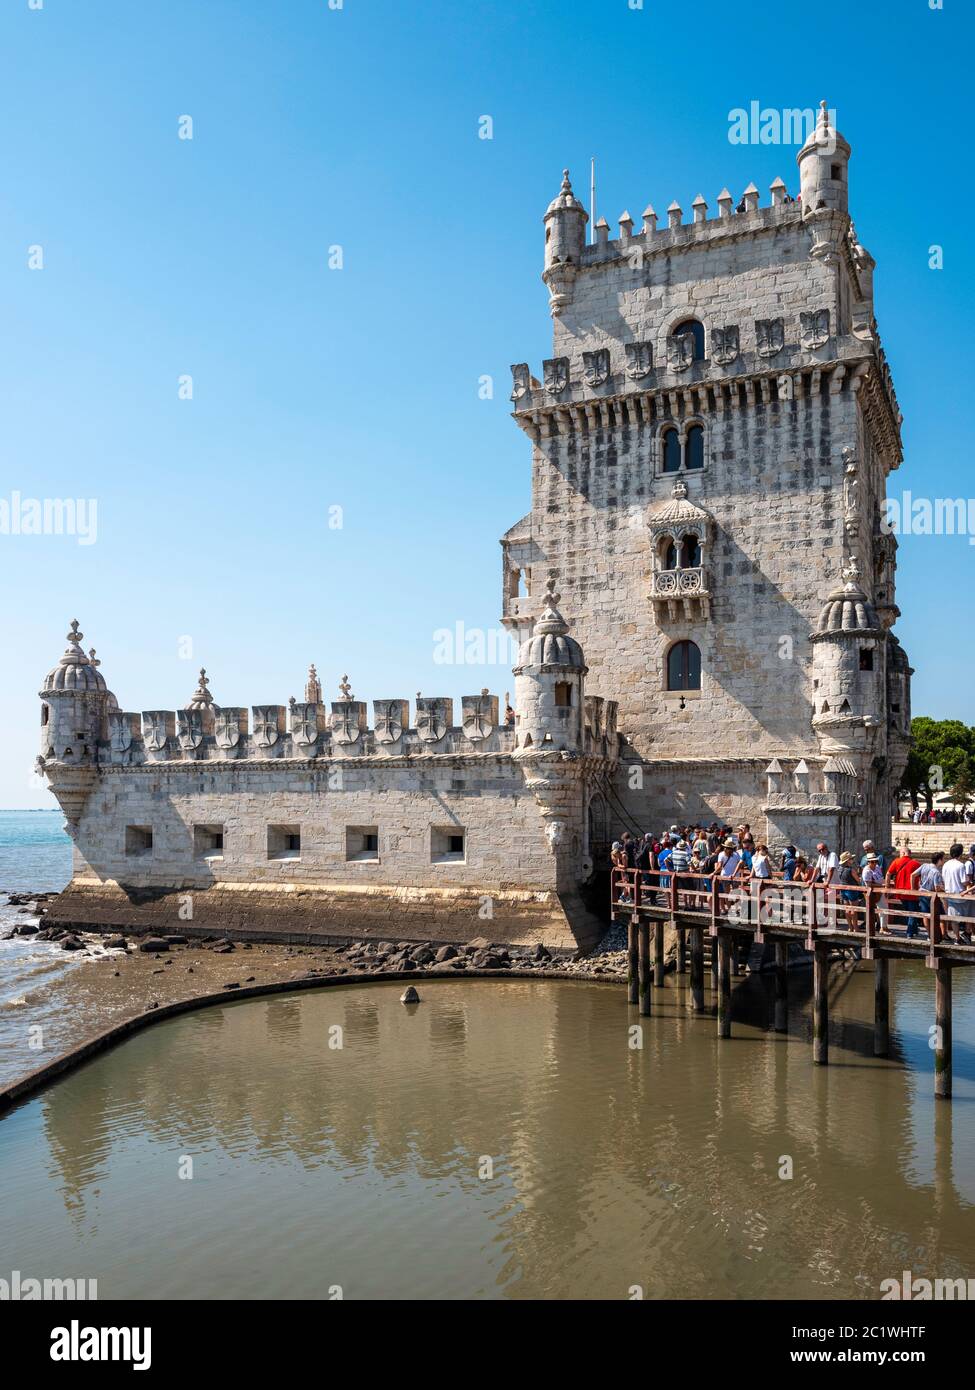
{"x": 820, "y": 918}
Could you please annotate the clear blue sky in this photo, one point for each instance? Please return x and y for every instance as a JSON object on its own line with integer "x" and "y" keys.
{"x": 358, "y": 387}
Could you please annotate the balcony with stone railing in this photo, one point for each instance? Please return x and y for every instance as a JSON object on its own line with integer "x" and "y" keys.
{"x": 682, "y": 593}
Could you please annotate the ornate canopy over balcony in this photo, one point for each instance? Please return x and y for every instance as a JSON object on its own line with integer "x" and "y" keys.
{"x": 680, "y": 532}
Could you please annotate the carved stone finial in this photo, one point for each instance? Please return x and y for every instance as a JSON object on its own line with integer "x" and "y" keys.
{"x": 74, "y": 635}
{"x": 551, "y": 596}
{"x": 824, "y": 114}
{"x": 566, "y": 185}
{"x": 291, "y": 703}
{"x": 345, "y": 688}
{"x": 851, "y": 572}
{"x": 484, "y": 690}
{"x": 313, "y": 687}
{"x": 679, "y": 490}
{"x": 91, "y": 657}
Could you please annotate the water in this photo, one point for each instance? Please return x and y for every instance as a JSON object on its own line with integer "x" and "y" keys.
{"x": 35, "y": 852}
{"x": 502, "y": 1140}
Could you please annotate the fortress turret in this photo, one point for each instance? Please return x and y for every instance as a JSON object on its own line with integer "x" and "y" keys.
{"x": 75, "y": 705}
{"x": 824, "y": 169}
{"x": 849, "y": 669}
{"x": 565, "y": 239}
{"x": 549, "y": 684}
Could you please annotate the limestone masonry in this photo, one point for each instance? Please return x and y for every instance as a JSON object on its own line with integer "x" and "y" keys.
{"x": 711, "y": 440}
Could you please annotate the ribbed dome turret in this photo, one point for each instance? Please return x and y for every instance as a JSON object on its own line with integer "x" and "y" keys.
{"x": 202, "y": 697}
{"x": 565, "y": 200}
{"x": 848, "y": 609}
{"x": 550, "y": 643}
{"x": 76, "y": 671}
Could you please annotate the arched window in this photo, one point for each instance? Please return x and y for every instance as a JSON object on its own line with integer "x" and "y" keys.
{"x": 671, "y": 451}
{"x": 670, "y": 556}
{"x": 694, "y": 448}
{"x": 696, "y": 330}
{"x": 684, "y": 666}
{"x": 690, "y": 552}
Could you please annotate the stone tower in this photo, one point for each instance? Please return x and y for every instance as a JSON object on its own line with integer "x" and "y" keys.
{"x": 711, "y": 439}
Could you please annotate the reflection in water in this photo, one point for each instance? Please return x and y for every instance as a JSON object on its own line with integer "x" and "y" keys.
{"x": 359, "y": 1166}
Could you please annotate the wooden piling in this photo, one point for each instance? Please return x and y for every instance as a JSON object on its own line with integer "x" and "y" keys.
{"x": 724, "y": 985}
{"x": 821, "y": 1004}
{"x": 942, "y": 1026}
{"x": 697, "y": 970}
{"x": 658, "y": 955}
{"x": 881, "y": 1006}
{"x": 644, "y": 967}
{"x": 780, "y": 1022}
{"x": 632, "y": 963}
{"x": 681, "y": 950}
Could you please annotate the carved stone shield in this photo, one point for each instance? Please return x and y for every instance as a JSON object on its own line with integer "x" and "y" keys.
{"x": 154, "y": 730}
{"x": 190, "y": 730}
{"x": 521, "y": 381}
{"x": 266, "y": 732}
{"x": 304, "y": 725}
{"x": 120, "y": 731}
{"x": 724, "y": 344}
{"x": 345, "y": 722}
{"x": 432, "y": 720}
{"x": 556, "y": 374}
{"x": 814, "y": 329}
{"x": 770, "y": 336}
{"x": 680, "y": 351}
{"x": 639, "y": 360}
{"x": 480, "y": 716}
{"x": 226, "y": 728}
{"x": 391, "y": 720}
{"x": 595, "y": 366}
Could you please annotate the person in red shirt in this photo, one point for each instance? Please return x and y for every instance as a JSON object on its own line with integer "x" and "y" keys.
{"x": 899, "y": 877}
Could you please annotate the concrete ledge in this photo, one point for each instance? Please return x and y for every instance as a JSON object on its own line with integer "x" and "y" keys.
{"x": 29, "y": 1085}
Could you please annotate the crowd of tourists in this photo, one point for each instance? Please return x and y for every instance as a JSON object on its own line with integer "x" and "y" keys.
{"x": 942, "y": 815}
{"x": 703, "y": 858}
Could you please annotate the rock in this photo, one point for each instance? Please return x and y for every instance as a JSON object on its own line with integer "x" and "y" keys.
{"x": 233, "y": 984}
{"x": 423, "y": 956}
{"x": 72, "y": 943}
{"x": 409, "y": 995}
{"x": 153, "y": 1004}
{"x": 115, "y": 943}
{"x": 486, "y": 960}
{"x": 153, "y": 943}
{"x": 446, "y": 953}
{"x": 542, "y": 953}
{"x": 479, "y": 943}
{"x": 250, "y": 979}
{"x": 385, "y": 948}
{"x": 176, "y": 940}
{"x": 28, "y": 929}
{"x": 223, "y": 950}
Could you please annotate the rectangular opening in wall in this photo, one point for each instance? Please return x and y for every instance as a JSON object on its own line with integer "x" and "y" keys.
{"x": 866, "y": 658}
{"x": 207, "y": 841}
{"x": 563, "y": 695}
{"x": 284, "y": 842}
{"x": 138, "y": 840}
{"x": 448, "y": 844}
{"x": 362, "y": 842}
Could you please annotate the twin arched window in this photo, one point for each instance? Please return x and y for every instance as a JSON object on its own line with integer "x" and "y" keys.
{"x": 684, "y": 666}
{"x": 688, "y": 557}
{"x": 687, "y": 453}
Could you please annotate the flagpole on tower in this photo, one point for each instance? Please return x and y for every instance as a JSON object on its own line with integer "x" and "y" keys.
{"x": 592, "y": 200}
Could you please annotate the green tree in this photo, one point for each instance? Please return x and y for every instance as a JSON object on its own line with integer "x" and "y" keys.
{"x": 941, "y": 749}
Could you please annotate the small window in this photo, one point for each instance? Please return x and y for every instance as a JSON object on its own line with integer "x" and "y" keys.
{"x": 284, "y": 841}
{"x": 670, "y": 556}
{"x": 690, "y": 552}
{"x": 694, "y": 448}
{"x": 138, "y": 840}
{"x": 362, "y": 842}
{"x": 836, "y": 173}
{"x": 671, "y": 462}
{"x": 45, "y": 714}
{"x": 866, "y": 658}
{"x": 563, "y": 695}
{"x": 447, "y": 844}
{"x": 684, "y": 666}
{"x": 696, "y": 331}
{"x": 207, "y": 841}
